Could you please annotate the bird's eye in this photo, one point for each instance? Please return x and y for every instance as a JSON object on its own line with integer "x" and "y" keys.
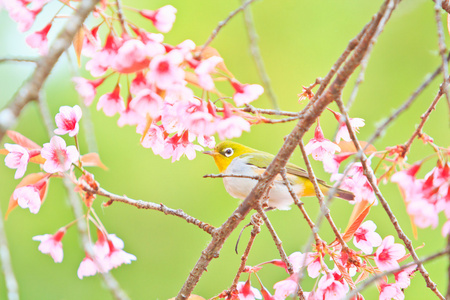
{"x": 228, "y": 152}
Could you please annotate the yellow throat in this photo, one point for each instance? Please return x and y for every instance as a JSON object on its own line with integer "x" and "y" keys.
{"x": 226, "y": 151}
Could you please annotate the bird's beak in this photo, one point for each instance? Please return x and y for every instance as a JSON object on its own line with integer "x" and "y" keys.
{"x": 212, "y": 153}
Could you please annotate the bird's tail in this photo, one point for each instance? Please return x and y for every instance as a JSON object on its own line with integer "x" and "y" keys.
{"x": 346, "y": 195}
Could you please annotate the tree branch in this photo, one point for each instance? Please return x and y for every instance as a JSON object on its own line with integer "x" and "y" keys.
{"x": 30, "y": 90}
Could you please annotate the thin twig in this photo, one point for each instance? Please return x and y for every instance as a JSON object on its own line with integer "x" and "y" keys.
{"x": 368, "y": 172}
{"x": 254, "y": 110}
{"x": 301, "y": 206}
{"x": 30, "y": 90}
{"x": 257, "y": 57}
{"x": 309, "y": 115}
{"x": 424, "y": 118}
{"x": 278, "y": 243}
{"x": 110, "y": 282}
{"x": 12, "y": 288}
{"x": 221, "y": 24}
{"x": 379, "y": 276}
{"x": 427, "y": 81}
{"x": 150, "y": 205}
{"x": 121, "y": 16}
{"x": 323, "y": 204}
{"x": 18, "y": 59}
{"x": 256, "y": 222}
{"x": 256, "y": 177}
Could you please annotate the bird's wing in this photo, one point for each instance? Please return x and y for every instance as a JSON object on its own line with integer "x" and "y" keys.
{"x": 262, "y": 160}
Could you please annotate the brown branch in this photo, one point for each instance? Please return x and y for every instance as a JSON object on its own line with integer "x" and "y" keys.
{"x": 221, "y": 24}
{"x": 253, "y": 110}
{"x": 442, "y": 51}
{"x": 18, "y": 59}
{"x": 308, "y": 117}
{"x": 300, "y": 206}
{"x": 256, "y": 177}
{"x": 424, "y": 117}
{"x": 406, "y": 104}
{"x": 368, "y": 172}
{"x": 12, "y": 288}
{"x": 257, "y": 57}
{"x": 445, "y": 4}
{"x": 30, "y": 90}
{"x": 323, "y": 204}
{"x": 150, "y": 205}
{"x": 256, "y": 222}
{"x": 121, "y": 16}
{"x": 379, "y": 276}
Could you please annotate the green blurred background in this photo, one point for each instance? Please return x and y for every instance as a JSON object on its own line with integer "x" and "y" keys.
{"x": 299, "y": 40}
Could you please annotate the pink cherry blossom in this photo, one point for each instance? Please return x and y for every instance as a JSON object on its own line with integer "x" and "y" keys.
{"x": 162, "y": 18}
{"x": 424, "y": 213}
{"x": 185, "y": 146}
{"x": 28, "y": 197}
{"x": 103, "y": 59}
{"x": 319, "y": 146}
{"x": 147, "y": 102}
{"x": 67, "y": 120}
{"x": 231, "y": 127}
{"x": 390, "y": 291}
{"x": 247, "y": 292}
{"x": 331, "y": 163}
{"x": 365, "y": 237}
{"x": 87, "y": 268}
{"x": 87, "y": 88}
{"x": 20, "y": 13}
{"x": 111, "y": 103}
{"x": 139, "y": 83}
{"x": 129, "y": 117}
{"x": 343, "y": 131}
{"x": 58, "y": 157}
{"x": 131, "y": 57}
{"x": 245, "y": 93}
{"x": 91, "y": 42}
{"x": 206, "y": 141}
{"x": 39, "y": 40}
{"x": 204, "y": 70}
{"x": 200, "y": 123}
{"x": 51, "y": 244}
{"x": 17, "y": 158}
{"x": 403, "y": 278}
{"x": 170, "y": 116}
{"x": 388, "y": 254}
{"x": 153, "y": 138}
{"x": 331, "y": 286}
{"x": 285, "y": 288}
{"x": 165, "y": 70}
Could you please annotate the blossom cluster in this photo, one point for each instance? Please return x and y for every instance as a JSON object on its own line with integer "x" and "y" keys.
{"x": 57, "y": 159}
{"x": 426, "y": 198}
{"x": 349, "y": 268}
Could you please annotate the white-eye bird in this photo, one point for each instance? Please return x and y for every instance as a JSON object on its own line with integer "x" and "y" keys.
{"x": 234, "y": 158}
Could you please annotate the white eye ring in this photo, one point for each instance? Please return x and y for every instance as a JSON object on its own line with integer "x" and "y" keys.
{"x": 228, "y": 152}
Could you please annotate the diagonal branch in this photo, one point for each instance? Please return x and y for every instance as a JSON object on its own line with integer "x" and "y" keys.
{"x": 30, "y": 90}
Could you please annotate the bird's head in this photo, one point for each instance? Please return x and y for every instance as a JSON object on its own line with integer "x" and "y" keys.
{"x": 226, "y": 151}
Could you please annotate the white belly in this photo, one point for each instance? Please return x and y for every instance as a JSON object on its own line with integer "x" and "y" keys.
{"x": 279, "y": 196}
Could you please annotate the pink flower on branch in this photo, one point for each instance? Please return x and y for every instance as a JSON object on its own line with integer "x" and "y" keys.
{"x": 287, "y": 287}
{"x": 39, "y": 40}
{"x": 51, "y": 244}
{"x": 131, "y": 57}
{"x": 111, "y": 103}
{"x": 331, "y": 286}
{"x": 103, "y": 59}
{"x": 162, "y": 18}
{"x": 247, "y": 292}
{"x": 245, "y": 93}
{"x": 165, "y": 70}
{"x": 388, "y": 254}
{"x": 58, "y": 157}
{"x": 28, "y": 197}
{"x": 67, "y": 120}
{"x": 390, "y": 291}
{"x": 319, "y": 146}
{"x": 365, "y": 237}
{"x": 87, "y": 88}
{"x": 204, "y": 70}
{"x": 147, "y": 102}
{"x": 343, "y": 133}
{"x": 17, "y": 158}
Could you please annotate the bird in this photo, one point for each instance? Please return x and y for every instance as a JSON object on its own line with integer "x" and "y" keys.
{"x": 234, "y": 158}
